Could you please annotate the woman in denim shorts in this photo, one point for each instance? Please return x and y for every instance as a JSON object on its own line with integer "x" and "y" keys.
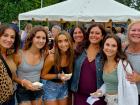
{"x": 57, "y": 69}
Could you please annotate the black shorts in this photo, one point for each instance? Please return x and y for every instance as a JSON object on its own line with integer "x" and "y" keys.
{"x": 22, "y": 94}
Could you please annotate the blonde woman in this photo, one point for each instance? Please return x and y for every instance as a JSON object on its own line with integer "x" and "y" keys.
{"x": 133, "y": 52}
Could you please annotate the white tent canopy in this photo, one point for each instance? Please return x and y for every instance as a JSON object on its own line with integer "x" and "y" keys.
{"x": 83, "y": 10}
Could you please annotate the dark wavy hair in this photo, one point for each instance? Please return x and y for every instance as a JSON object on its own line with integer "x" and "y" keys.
{"x": 32, "y": 33}
{"x": 82, "y": 30}
{"x": 16, "y": 43}
{"x": 101, "y": 27}
{"x": 120, "y": 53}
{"x": 86, "y": 42}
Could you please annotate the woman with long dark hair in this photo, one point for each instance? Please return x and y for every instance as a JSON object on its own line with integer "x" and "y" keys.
{"x": 87, "y": 74}
{"x": 78, "y": 35}
{"x": 115, "y": 68}
{"x": 9, "y": 44}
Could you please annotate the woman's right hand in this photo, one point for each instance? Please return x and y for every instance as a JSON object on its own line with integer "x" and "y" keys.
{"x": 28, "y": 85}
{"x": 61, "y": 76}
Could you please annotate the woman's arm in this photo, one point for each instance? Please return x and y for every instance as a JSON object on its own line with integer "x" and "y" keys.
{"x": 17, "y": 60}
{"x": 49, "y": 62}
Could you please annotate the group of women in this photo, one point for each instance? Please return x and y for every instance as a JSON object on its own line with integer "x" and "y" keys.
{"x": 96, "y": 61}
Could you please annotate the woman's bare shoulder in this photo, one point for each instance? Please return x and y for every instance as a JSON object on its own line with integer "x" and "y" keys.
{"x": 50, "y": 58}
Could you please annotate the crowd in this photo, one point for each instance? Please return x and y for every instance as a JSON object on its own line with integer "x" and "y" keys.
{"x": 39, "y": 66}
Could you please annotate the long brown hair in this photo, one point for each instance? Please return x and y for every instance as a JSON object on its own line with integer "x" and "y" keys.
{"x": 69, "y": 52}
{"x": 29, "y": 39}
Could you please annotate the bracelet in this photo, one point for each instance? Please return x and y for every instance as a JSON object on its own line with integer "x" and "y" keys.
{"x": 58, "y": 76}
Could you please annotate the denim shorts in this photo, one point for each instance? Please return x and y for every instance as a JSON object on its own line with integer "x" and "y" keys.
{"x": 55, "y": 91}
{"x": 22, "y": 94}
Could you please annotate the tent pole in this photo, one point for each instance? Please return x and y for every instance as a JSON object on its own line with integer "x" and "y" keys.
{"x": 77, "y": 22}
{"x": 19, "y": 24}
{"x": 41, "y": 3}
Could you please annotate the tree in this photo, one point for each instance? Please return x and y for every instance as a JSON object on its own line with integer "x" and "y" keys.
{"x": 131, "y": 3}
{"x": 9, "y": 9}
{"x": 137, "y": 4}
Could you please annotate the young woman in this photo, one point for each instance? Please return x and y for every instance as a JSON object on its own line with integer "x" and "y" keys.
{"x": 9, "y": 44}
{"x": 57, "y": 66}
{"x": 30, "y": 61}
{"x": 118, "y": 88}
{"x": 87, "y": 75}
{"x": 78, "y": 35}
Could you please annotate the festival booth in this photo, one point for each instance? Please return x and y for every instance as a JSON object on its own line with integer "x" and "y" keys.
{"x": 83, "y": 11}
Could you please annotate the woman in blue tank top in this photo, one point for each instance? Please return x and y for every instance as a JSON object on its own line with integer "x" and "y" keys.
{"x": 56, "y": 70}
{"x": 29, "y": 62}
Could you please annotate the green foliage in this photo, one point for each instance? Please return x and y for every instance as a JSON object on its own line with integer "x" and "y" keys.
{"x": 137, "y": 4}
{"x": 125, "y": 2}
{"x": 131, "y": 3}
{"x": 9, "y": 9}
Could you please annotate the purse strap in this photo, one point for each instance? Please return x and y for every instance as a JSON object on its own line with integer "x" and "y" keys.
{"x": 124, "y": 66}
{"x": 6, "y": 66}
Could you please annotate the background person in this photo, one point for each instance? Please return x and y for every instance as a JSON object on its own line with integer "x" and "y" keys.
{"x": 78, "y": 35}
{"x": 15, "y": 26}
{"x": 25, "y": 33}
{"x": 121, "y": 35}
{"x": 56, "y": 29}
